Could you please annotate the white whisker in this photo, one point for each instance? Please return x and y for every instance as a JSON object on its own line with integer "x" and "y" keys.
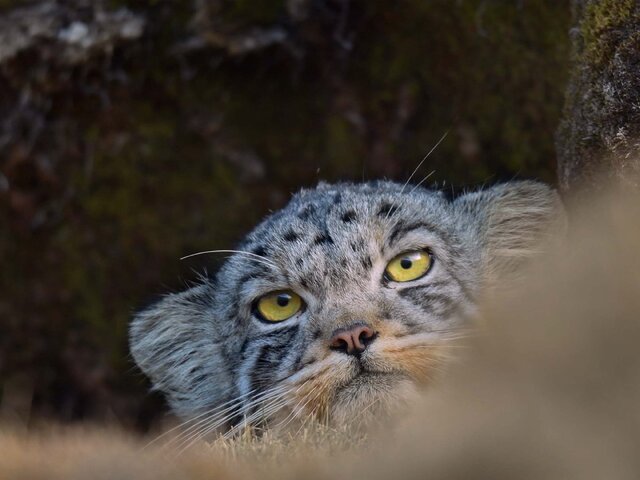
{"x": 269, "y": 408}
{"x": 299, "y": 407}
{"x": 415, "y": 170}
{"x": 424, "y": 159}
{"x": 273, "y": 395}
{"x": 209, "y": 424}
{"x": 186, "y": 422}
{"x": 254, "y": 256}
{"x": 214, "y": 415}
{"x": 421, "y": 181}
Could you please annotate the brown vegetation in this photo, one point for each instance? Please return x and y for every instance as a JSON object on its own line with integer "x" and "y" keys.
{"x": 547, "y": 389}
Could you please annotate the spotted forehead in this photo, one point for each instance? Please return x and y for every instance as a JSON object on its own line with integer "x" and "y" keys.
{"x": 331, "y": 207}
{"x": 327, "y": 233}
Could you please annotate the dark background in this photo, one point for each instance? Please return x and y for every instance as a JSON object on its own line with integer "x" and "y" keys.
{"x": 135, "y": 132}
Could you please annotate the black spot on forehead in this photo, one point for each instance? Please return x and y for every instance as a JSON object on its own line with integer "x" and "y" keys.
{"x": 387, "y": 210}
{"x": 366, "y": 262}
{"x": 323, "y": 239}
{"x": 260, "y": 250}
{"x": 348, "y": 216}
{"x": 291, "y": 236}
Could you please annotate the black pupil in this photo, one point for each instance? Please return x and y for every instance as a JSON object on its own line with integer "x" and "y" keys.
{"x": 406, "y": 263}
{"x": 283, "y": 300}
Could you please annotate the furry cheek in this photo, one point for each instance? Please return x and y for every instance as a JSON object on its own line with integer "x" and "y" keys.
{"x": 421, "y": 362}
{"x": 313, "y": 388}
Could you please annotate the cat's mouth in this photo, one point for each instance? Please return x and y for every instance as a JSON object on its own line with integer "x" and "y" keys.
{"x": 371, "y": 395}
{"x": 368, "y": 379}
{"x": 362, "y": 387}
{"x": 369, "y": 382}
{"x": 367, "y": 376}
{"x": 365, "y": 370}
{"x": 382, "y": 380}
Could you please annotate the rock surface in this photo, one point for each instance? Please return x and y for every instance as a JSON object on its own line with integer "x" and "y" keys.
{"x": 600, "y": 133}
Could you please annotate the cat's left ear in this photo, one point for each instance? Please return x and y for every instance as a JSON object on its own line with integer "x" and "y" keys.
{"x": 514, "y": 220}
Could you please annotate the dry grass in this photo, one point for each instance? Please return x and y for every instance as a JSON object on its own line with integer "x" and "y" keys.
{"x": 549, "y": 389}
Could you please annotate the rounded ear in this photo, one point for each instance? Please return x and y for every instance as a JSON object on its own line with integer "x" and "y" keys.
{"x": 174, "y": 342}
{"x": 515, "y": 221}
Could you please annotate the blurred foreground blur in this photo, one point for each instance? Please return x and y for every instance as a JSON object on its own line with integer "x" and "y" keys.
{"x": 547, "y": 388}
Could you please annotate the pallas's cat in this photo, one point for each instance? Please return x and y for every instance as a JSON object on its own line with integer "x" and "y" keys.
{"x": 343, "y": 303}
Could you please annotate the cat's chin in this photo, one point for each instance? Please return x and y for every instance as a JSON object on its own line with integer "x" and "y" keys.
{"x": 371, "y": 398}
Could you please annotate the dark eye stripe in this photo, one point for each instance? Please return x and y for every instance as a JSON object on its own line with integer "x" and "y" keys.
{"x": 271, "y": 357}
{"x": 435, "y": 303}
{"x": 281, "y": 334}
{"x": 266, "y": 363}
{"x": 463, "y": 287}
{"x": 402, "y": 229}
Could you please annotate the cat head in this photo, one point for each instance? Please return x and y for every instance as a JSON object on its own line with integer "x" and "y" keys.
{"x": 348, "y": 298}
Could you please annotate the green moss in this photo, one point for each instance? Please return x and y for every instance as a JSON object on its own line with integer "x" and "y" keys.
{"x": 600, "y": 20}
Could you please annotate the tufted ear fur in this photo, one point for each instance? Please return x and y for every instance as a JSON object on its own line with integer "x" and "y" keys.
{"x": 175, "y": 344}
{"x": 515, "y": 221}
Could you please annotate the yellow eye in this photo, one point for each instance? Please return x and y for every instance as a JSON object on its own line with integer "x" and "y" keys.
{"x": 278, "y": 306}
{"x": 408, "y": 266}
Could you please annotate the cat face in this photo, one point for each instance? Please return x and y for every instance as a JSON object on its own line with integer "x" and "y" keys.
{"x": 345, "y": 301}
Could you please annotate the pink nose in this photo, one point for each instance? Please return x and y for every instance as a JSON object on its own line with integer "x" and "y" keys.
{"x": 352, "y": 340}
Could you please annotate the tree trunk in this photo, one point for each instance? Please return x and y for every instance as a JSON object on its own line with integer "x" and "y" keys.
{"x": 600, "y": 133}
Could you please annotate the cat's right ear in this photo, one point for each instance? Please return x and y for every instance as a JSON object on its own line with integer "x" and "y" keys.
{"x": 174, "y": 342}
{"x": 514, "y": 221}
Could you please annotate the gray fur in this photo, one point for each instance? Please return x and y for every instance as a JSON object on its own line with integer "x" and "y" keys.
{"x": 204, "y": 347}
